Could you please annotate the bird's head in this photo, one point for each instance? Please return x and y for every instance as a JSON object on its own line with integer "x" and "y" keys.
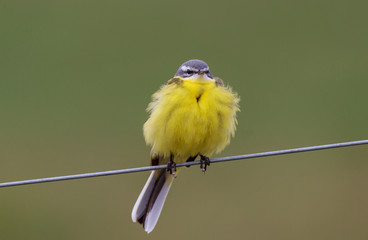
{"x": 194, "y": 69}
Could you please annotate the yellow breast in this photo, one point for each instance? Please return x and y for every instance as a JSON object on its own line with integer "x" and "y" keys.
{"x": 191, "y": 117}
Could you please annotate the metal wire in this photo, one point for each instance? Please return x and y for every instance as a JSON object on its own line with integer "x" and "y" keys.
{"x": 215, "y": 160}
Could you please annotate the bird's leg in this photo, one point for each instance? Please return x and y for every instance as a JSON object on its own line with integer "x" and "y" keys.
{"x": 171, "y": 165}
{"x": 205, "y": 161}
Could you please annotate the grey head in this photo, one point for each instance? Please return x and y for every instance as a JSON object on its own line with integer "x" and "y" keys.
{"x": 192, "y": 68}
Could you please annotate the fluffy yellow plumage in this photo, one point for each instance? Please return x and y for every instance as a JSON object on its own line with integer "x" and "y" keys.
{"x": 193, "y": 114}
{"x": 184, "y": 126}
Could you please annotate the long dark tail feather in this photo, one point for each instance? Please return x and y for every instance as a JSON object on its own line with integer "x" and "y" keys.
{"x": 149, "y": 204}
{"x": 158, "y": 184}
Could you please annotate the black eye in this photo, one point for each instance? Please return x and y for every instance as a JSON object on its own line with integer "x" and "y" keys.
{"x": 190, "y": 71}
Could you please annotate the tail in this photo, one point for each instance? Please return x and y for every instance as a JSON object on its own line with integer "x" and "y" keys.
{"x": 149, "y": 204}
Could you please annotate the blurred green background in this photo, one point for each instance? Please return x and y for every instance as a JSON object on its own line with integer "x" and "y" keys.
{"x": 76, "y": 77}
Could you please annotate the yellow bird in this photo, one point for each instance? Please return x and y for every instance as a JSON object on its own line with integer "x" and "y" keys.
{"x": 194, "y": 114}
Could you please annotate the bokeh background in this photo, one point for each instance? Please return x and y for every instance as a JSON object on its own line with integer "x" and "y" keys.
{"x": 76, "y": 77}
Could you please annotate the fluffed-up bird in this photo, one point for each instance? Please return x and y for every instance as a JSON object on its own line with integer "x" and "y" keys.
{"x": 194, "y": 114}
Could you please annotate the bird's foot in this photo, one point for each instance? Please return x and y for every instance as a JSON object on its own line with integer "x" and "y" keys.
{"x": 205, "y": 161}
{"x": 171, "y": 166}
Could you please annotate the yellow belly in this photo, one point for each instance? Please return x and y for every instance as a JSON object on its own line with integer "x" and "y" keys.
{"x": 190, "y": 118}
